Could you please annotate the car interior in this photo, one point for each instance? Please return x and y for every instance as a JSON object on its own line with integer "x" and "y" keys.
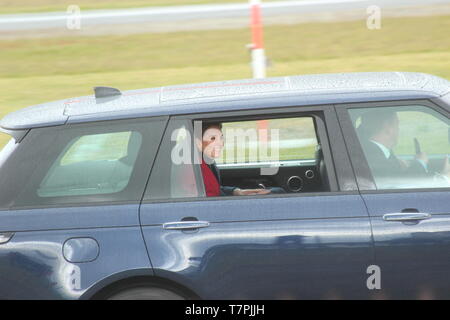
{"x": 300, "y": 168}
{"x": 415, "y": 142}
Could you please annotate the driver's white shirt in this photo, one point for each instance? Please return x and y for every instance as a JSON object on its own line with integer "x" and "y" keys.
{"x": 386, "y": 151}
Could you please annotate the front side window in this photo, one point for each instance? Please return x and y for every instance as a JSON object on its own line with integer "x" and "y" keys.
{"x": 405, "y": 147}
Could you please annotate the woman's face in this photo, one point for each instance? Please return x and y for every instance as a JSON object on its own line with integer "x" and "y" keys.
{"x": 212, "y": 142}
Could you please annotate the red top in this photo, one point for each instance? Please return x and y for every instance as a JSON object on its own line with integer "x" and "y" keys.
{"x": 212, "y": 186}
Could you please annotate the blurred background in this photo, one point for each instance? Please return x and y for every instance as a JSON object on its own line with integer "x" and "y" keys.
{"x": 47, "y": 53}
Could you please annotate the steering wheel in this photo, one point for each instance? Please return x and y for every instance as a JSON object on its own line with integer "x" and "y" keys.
{"x": 440, "y": 176}
{"x": 417, "y": 146}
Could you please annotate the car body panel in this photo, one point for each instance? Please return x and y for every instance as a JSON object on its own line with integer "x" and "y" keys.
{"x": 69, "y": 217}
{"x": 46, "y": 114}
{"x": 301, "y": 246}
{"x": 414, "y": 258}
{"x": 259, "y": 102}
{"x": 32, "y": 263}
{"x": 213, "y": 96}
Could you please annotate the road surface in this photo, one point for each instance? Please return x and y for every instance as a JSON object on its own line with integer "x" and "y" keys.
{"x": 200, "y": 17}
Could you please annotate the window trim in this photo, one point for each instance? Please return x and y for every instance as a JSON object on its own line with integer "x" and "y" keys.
{"x": 364, "y": 178}
{"x": 443, "y": 101}
{"x": 326, "y": 114}
{"x": 222, "y": 198}
{"x": 165, "y": 167}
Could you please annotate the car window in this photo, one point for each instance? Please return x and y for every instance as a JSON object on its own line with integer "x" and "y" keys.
{"x": 93, "y": 164}
{"x": 173, "y": 175}
{"x": 97, "y": 162}
{"x": 405, "y": 147}
{"x": 287, "y": 139}
{"x": 281, "y": 154}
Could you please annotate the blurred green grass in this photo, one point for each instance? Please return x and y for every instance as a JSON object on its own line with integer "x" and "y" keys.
{"x": 286, "y": 43}
{"x": 33, "y": 71}
{"x": 22, "y": 6}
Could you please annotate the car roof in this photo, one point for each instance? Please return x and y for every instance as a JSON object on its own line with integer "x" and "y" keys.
{"x": 232, "y": 95}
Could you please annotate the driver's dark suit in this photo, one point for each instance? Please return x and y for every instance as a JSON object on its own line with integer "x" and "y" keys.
{"x": 390, "y": 167}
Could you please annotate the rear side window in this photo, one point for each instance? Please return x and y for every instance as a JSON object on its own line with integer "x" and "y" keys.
{"x": 93, "y": 164}
{"x": 105, "y": 162}
{"x": 296, "y": 140}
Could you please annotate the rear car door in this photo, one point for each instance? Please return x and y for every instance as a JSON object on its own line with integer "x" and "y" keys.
{"x": 280, "y": 246}
{"x": 409, "y": 206}
{"x": 69, "y": 202}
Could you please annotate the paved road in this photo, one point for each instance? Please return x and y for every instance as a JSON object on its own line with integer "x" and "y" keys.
{"x": 161, "y": 19}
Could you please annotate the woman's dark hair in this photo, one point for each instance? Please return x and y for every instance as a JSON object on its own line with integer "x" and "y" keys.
{"x": 207, "y": 125}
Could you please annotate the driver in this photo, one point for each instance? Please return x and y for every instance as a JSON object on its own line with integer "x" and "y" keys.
{"x": 379, "y": 134}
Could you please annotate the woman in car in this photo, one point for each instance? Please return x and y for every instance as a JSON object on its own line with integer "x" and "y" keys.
{"x": 211, "y": 146}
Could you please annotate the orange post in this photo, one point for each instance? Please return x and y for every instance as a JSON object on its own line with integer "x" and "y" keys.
{"x": 258, "y": 54}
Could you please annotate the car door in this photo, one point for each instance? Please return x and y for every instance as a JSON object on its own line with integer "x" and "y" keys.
{"x": 69, "y": 201}
{"x": 281, "y": 246}
{"x": 409, "y": 207}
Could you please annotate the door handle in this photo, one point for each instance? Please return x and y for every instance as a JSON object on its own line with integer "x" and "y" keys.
{"x": 183, "y": 225}
{"x": 406, "y": 216}
{"x": 5, "y": 237}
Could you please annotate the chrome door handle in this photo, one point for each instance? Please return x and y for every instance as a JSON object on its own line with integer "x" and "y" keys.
{"x": 5, "y": 237}
{"x": 183, "y": 225}
{"x": 406, "y": 216}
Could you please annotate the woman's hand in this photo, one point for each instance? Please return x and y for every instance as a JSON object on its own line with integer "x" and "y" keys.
{"x": 249, "y": 192}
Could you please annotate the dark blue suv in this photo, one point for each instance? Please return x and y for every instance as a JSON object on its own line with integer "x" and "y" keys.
{"x": 106, "y": 197}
